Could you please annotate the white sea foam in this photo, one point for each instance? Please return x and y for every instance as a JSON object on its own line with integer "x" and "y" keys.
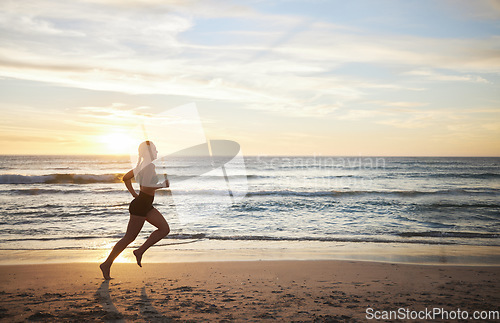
{"x": 66, "y": 201}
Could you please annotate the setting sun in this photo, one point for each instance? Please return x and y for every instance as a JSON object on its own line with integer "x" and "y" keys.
{"x": 117, "y": 143}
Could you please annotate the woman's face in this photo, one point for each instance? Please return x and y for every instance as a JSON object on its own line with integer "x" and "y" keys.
{"x": 154, "y": 152}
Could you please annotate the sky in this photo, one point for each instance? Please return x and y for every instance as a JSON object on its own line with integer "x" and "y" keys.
{"x": 356, "y": 78}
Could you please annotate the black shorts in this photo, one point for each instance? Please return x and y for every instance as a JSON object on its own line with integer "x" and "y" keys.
{"x": 141, "y": 205}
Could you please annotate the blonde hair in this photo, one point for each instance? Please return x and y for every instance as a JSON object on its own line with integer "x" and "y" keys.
{"x": 145, "y": 157}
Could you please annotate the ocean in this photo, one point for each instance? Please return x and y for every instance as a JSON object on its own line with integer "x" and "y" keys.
{"x": 287, "y": 202}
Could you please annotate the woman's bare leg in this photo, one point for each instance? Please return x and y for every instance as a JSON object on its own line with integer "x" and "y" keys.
{"x": 155, "y": 218}
{"x": 134, "y": 226}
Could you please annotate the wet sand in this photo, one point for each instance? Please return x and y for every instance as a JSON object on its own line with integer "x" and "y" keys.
{"x": 241, "y": 290}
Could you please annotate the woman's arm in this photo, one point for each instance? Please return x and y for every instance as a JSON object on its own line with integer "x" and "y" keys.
{"x": 149, "y": 178}
{"x": 127, "y": 180}
{"x": 165, "y": 184}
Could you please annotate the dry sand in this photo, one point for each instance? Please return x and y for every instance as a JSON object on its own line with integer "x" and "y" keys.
{"x": 240, "y": 291}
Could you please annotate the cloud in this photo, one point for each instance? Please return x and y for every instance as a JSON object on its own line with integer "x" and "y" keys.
{"x": 116, "y": 111}
{"x": 296, "y": 110}
{"x": 357, "y": 114}
{"x": 432, "y": 75}
{"x": 207, "y": 8}
{"x": 327, "y": 45}
{"x": 284, "y": 64}
{"x": 398, "y": 104}
{"x": 24, "y": 123}
{"x": 478, "y": 122}
{"x": 477, "y": 9}
{"x": 492, "y": 126}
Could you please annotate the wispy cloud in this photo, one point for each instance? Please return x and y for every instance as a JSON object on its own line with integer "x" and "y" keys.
{"x": 433, "y": 75}
{"x": 276, "y": 64}
{"x": 478, "y": 9}
{"x": 282, "y": 64}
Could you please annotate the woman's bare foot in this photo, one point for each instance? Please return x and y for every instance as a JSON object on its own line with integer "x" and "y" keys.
{"x": 138, "y": 257}
{"x": 105, "y": 268}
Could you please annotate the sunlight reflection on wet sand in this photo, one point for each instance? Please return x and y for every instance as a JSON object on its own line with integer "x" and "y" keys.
{"x": 272, "y": 250}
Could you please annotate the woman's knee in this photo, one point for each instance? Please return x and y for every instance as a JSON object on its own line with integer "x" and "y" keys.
{"x": 164, "y": 230}
{"x": 128, "y": 239}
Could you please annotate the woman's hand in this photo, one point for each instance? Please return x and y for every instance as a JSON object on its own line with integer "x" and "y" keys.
{"x": 166, "y": 183}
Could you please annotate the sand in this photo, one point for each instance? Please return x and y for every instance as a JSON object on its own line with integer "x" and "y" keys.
{"x": 242, "y": 291}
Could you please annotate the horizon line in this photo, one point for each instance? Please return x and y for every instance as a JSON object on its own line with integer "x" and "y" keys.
{"x": 267, "y": 155}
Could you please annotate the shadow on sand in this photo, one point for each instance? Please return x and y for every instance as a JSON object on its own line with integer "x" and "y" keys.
{"x": 144, "y": 305}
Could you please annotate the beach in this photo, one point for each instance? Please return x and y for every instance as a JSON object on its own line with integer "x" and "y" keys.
{"x": 245, "y": 291}
{"x": 276, "y": 161}
{"x": 306, "y": 240}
